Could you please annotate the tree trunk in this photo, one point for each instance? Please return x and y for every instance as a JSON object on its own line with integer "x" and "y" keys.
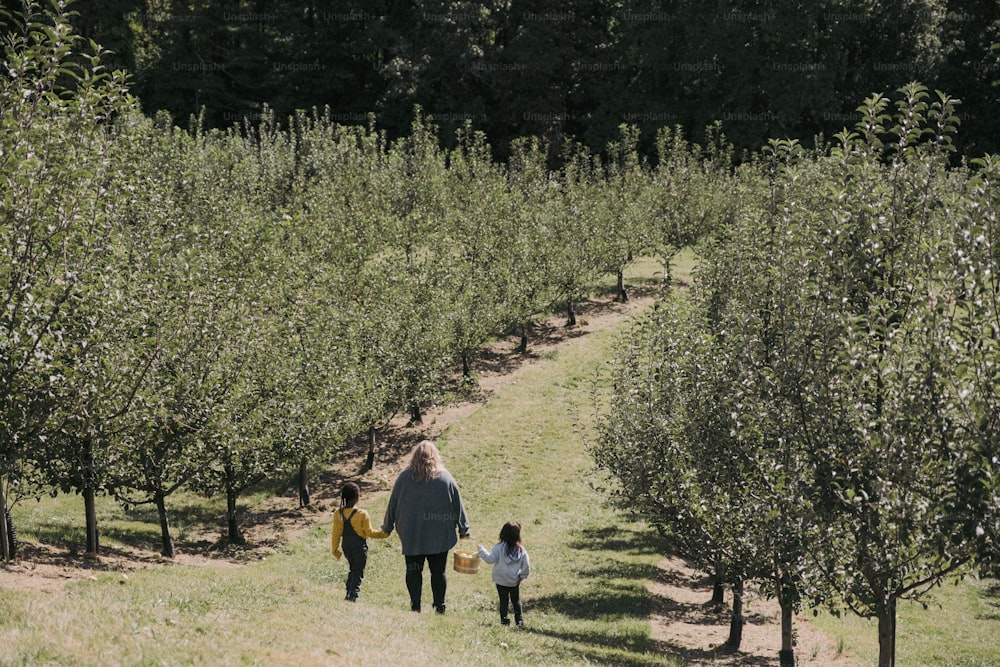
{"x": 466, "y": 370}
{"x": 523, "y": 347}
{"x": 887, "y": 635}
{"x": 12, "y": 545}
{"x": 90, "y": 510}
{"x": 304, "y": 496}
{"x": 415, "y": 416}
{"x": 718, "y": 587}
{"x": 622, "y": 294}
{"x": 5, "y": 542}
{"x": 370, "y": 459}
{"x": 786, "y": 656}
{"x": 718, "y": 593}
{"x": 736, "y": 622}
{"x": 166, "y": 542}
{"x": 89, "y": 498}
{"x": 570, "y": 314}
{"x": 232, "y": 520}
{"x": 668, "y": 279}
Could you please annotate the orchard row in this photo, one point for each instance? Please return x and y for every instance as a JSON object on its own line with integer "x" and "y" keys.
{"x": 819, "y": 413}
{"x": 206, "y": 310}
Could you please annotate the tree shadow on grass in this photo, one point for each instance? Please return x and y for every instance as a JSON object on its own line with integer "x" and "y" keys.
{"x": 633, "y": 651}
{"x": 693, "y": 578}
{"x": 73, "y": 538}
{"x": 702, "y": 618}
{"x": 112, "y": 557}
{"x": 196, "y": 527}
{"x": 695, "y": 614}
{"x": 611, "y": 588}
{"x": 592, "y": 608}
{"x": 991, "y": 598}
{"x": 619, "y": 540}
{"x": 722, "y": 655}
{"x": 603, "y": 600}
{"x": 610, "y": 592}
{"x": 598, "y": 647}
{"x": 609, "y": 544}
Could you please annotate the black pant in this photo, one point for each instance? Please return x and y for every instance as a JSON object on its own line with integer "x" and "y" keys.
{"x": 357, "y": 558}
{"x": 415, "y": 577}
{"x": 512, "y": 595}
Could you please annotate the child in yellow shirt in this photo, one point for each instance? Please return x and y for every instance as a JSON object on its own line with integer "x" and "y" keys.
{"x": 350, "y": 530}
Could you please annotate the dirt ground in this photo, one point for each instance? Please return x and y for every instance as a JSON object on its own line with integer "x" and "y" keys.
{"x": 689, "y": 627}
{"x": 682, "y": 622}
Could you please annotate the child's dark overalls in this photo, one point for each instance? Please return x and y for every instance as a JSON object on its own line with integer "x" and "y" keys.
{"x": 355, "y": 548}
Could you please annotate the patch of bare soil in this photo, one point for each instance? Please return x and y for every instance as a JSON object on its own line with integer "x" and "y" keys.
{"x": 682, "y": 623}
{"x": 688, "y": 626}
{"x": 47, "y": 569}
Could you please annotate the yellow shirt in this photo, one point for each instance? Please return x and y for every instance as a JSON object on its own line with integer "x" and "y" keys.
{"x": 360, "y": 522}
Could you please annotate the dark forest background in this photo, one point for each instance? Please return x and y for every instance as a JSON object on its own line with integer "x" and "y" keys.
{"x": 576, "y": 69}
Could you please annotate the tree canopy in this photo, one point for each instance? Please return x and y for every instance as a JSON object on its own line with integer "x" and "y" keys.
{"x": 572, "y": 72}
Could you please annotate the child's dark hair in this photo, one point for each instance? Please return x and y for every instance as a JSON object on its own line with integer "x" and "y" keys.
{"x": 349, "y": 494}
{"x": 510, "y": 535}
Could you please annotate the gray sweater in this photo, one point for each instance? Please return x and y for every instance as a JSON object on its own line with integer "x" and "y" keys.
{"x": 425, "y": 514}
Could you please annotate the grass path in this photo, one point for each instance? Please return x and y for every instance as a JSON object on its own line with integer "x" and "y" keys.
{"x": 521, "y": 456}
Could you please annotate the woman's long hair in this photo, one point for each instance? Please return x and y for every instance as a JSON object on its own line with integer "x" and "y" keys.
{"x": 425, "y": 461}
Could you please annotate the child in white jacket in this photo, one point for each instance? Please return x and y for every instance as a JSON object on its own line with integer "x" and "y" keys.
{"x": 510, "y": 567}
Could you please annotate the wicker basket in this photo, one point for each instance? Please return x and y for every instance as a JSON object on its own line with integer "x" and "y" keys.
{"x": 466, "y": 562}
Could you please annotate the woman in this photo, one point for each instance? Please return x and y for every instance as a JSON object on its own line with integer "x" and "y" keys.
{"x": 425, "y": 508}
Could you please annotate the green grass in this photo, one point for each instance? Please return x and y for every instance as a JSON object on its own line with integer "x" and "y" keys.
{"x": 958, "y": 629}
{"x": 59, "y": 521}
{"x": 586, "y": 601}
{"x": 647, "y": 272}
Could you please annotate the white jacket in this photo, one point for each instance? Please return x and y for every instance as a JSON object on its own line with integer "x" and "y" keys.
{"x": 507, "y": 570}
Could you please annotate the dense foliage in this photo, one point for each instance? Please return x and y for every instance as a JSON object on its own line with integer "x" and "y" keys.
{"x": 818, "y": 413}
{"x": 210, "y": 308}
{"x": 575, "y": 70}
